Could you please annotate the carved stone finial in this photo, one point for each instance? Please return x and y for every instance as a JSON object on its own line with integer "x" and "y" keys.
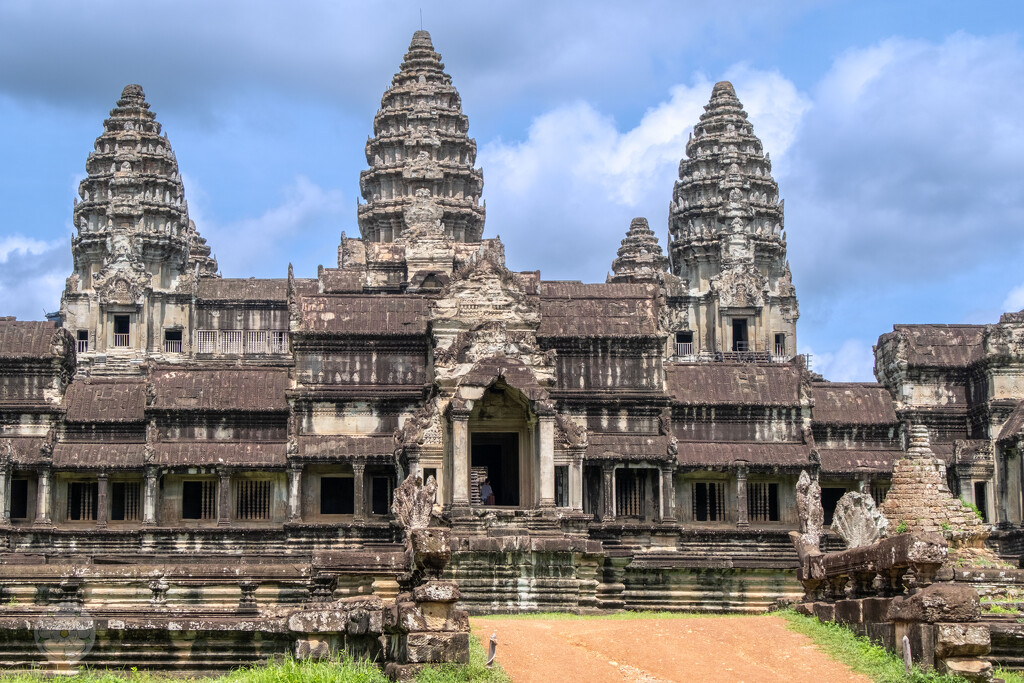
{"x": 640, "y": 258}
{"x": 414, "y": 502}
{"x": 858, "y": 521}
{"x": 809, "y": 510}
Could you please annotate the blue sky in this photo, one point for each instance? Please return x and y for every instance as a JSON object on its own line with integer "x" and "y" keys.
{"x": 895, "y": 129}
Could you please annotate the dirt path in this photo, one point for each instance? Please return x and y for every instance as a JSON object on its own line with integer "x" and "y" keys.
{"x": 656, "y": 650}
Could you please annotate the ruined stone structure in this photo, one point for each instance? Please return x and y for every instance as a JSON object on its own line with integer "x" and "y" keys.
{"x": 218, "y": 454}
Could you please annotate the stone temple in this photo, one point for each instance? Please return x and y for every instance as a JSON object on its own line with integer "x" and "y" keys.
{"x": 193, "y": 456}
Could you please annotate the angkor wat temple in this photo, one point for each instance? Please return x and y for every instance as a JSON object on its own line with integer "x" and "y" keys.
{"x": 182, "y": 446}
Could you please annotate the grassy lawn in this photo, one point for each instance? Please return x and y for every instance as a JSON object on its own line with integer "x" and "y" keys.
{"x": 858, "y": 653}
{"x": 292, "y": 671}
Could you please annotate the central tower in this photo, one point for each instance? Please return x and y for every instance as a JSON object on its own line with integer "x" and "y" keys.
{"x": 421, "y": 147}
{"x": 727, "y": 241}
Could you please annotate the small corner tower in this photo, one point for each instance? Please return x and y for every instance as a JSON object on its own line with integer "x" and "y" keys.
{"x": 727, "y": 239}
{"x": 640, "y": 258}
{"x": 421, "y": 148}
{"x": 137, "y": 255}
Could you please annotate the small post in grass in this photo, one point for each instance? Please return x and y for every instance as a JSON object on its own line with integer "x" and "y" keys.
{"x": 907, "y": 661}
{"x": 492, "y": 648}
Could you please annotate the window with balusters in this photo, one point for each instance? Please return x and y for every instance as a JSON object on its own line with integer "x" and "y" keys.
{"x": 82, "y": 501}
{"x": 199, "y": 499}
{"x": 252, "y": 500}
{"x": 708, "y": 501}
{"x": 762, "y": 502}
{"x": 242, "y": 342}
{"x": 126, "y": 501}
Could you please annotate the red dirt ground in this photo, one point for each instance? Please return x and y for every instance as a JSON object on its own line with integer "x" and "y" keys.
{"x": 649, "y": 650}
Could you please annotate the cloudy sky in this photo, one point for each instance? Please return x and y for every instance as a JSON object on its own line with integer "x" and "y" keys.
{"x": 896, "y": 130}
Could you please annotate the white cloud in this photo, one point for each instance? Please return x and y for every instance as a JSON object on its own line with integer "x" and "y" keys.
{"x": 1015, "y": 299}
{"x": 258, "y": 245}
{"x": 853, "y": 361}
{"x": 32, "y": 275}
{"x": 577, "y": 173}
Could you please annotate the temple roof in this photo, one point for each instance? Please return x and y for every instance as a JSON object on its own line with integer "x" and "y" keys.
{"x": 733, "y": 384}
{"x": 573, "y": 309}
{"x": 23, "y": 339}
{"x": 364, "y": 315}
{"x": 421, "y": 142}
{"x": 220, "y": 389}
{"x": 106, "y": 400}
{"x": 939, "y": 346}
{"x": 717, "y": 454}
{"x": 627, "y": 447}
{"x": 852, "y": 461}
{"x": 853, "y": 404}
{"x": 1014, "y": 425}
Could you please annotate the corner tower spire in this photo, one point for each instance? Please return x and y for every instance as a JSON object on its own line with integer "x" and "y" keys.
{"x": 420, "y": 142}
{"x": 640, "y": 258}
{"x": 727, "y": 240}
{"x": 135, "y": 244}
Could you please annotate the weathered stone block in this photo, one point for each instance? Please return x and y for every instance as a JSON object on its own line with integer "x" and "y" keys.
{"x": 940, "y": 602}
{"x": 312, "y": 648}
{"x": 436, "y": 591}
{"x": 410, "y": 618}
{"x": 422, "y": 648}
{"x": 969, "y": 668}
{"x": 825, "y": 611}
{"x": 874, "y": 610}
{"x": 962, "y": 640}
{"x": 848, "y": 611}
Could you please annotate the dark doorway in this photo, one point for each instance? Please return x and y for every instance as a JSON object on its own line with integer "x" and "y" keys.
{"x": 380, "y": 495}
{"x": 739, "y": 335}
{"x": 981, "y": 500}
{"x": 829, "y": 499}
{"x": 122, "y": 330}
{"x": 499, "y": 453}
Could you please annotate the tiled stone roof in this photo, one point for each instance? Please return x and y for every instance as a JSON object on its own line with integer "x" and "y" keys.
{"x": 27, "y": 338}
{"x": 843, "y": 460}
{"x": 725, "y": 454}
{"x": 200, "y": 453}
{"x": 106, "y": 454}
{"x": 106, "y": 401}
{"x": 221, "y": 389}
{"x": 389, "y": 315}
{"x": 733, "y": 384}
{"x": 1014, "y": 425}
{"x": 335, "y": 446}
{"x": 243, "y": 289}
{"x": 627, "y": 447}
{"x": 853, "y": 404}
{"x": 942, "y": 346}
{"x": 573, "y": 309}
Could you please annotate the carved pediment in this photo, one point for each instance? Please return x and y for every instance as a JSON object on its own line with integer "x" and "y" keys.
{"x": 742, "y": 286}
{"x": 122, "y": 282}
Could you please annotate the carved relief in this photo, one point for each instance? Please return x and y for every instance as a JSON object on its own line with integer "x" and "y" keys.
{"x": 742, "y": 286}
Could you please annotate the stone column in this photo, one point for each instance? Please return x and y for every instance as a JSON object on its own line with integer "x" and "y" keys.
{"x": 149, "y": 497}
{"x": 668, "y": 494}
{"x": 576, "y": 483}
{"x": 608, "y": 494}
{"x": 101, "y": 500}
{"x": 741, "y": 498}
{"x": 359, "y": 486}
{"x": 295, "y": 492}
{"x": 43, "y": 497}
{"x": 460, "y": 460}
{"x": 547, "y": 461}
{"x": 224, "y": 498}
{"x": 5, "y": 495}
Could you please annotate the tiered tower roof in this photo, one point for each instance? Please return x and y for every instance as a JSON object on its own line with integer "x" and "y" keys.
{"x": 420, "y": 142}
{"x": 640, "y": 258}
{"x": 133, "y": 189}
{"x": 725, "y": 184}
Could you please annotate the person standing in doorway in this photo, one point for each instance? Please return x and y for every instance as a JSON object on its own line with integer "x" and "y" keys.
{"x": 486, "y": 492}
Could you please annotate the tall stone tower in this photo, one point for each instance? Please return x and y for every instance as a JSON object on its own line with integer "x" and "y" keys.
{"x": 421, "y": 148}
{"x": 137, "y": 255}
{"x": 727, "y": 241}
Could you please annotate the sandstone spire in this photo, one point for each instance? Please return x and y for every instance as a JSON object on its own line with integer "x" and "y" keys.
{"x": 420, "y": 143}
{"x": 726, "y": 231}
{"x": 133, "y": 198}
{"x": 640, "y": 258}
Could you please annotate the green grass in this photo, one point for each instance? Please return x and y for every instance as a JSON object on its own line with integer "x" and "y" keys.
{"x": 289, "y": 670}
{"x": 858, "y": 653}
